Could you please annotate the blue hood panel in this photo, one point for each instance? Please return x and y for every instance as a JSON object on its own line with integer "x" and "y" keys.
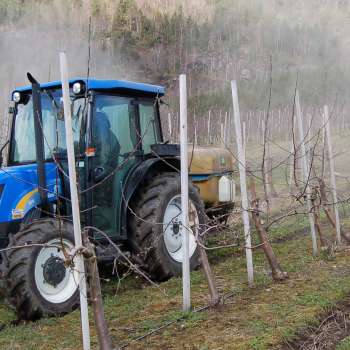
{"x": 20, "y": 191}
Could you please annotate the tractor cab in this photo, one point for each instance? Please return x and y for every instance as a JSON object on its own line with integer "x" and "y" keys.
{"x": 115, "y": 124}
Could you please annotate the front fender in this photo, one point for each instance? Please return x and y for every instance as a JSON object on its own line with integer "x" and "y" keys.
{"x": 20, "y": 190}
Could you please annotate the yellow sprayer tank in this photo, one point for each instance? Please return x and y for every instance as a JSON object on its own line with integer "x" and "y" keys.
{"x": 211, "y": 170}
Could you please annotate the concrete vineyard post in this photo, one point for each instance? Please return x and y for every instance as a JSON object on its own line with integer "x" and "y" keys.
{"x": 243, "y": 182}
{"x": 331, "y": 165}
{"x": 75, "y": 202}
{"x": 169, "y": 127}
{"x": 306, "y": 170}
{"x": 244, "y": 137}
{"x": 186, "y": 287}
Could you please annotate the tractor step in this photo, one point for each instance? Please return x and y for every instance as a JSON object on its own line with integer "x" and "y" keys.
{"x": 108, "y": 253}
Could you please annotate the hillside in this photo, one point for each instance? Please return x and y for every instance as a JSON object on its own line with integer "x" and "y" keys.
{"x": 213, "y": 41}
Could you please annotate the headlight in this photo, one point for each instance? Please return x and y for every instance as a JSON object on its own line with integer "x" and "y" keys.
{"x": 16, "y": 97}
{"x": 78, "y": 88}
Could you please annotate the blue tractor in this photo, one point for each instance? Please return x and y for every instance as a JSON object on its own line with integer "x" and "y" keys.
{"x": 129, "y": 188}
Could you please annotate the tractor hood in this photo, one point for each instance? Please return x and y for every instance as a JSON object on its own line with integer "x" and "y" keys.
{"x": 19, "y": 190}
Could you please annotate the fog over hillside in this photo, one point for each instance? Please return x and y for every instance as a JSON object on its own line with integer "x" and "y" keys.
{"x": 213, "y": 41}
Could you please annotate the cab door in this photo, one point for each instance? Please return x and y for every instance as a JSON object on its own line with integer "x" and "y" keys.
{"x": 114, "y": 139}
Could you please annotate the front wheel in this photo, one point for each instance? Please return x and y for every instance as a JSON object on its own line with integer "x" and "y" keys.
{"x": 156, "y": 229}
{"x": 39, "y": 282}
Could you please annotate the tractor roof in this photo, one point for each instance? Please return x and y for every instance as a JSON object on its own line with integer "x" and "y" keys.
{"x": 110, "y": 85}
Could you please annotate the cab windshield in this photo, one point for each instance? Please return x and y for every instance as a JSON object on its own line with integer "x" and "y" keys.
{"x": 23, "y": 135}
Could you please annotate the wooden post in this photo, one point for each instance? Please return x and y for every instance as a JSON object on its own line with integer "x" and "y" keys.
{"x": 186, "y": 283}
{"x": 331, "y": 165}
{"x": 243, "y": 182}
{"x": 104, "y": 338}
{"x": 306, "y": 170}
{"x": 277, "y": 273}
{"x": 208, "y": 273}
{"x": 79, "y": 261}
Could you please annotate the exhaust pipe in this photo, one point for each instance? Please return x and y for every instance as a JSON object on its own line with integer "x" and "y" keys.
{"x": 39, "y": 140}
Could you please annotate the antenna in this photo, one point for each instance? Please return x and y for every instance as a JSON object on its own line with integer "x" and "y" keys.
{"x": 89, "y": 55}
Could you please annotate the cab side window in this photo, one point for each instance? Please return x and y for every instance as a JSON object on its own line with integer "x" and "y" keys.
{"x": 148, "y": 125}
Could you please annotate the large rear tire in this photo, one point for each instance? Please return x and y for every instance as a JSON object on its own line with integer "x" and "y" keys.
{"x": 38, "y": 282}
{"x": 155, "y": 225}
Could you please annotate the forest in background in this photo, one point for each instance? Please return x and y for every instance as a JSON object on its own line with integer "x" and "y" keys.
{"x": 212, "y": 41}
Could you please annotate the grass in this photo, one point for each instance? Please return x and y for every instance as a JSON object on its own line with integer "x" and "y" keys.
{"x": 344, "y": 344}
{"x": 258, "y": 318}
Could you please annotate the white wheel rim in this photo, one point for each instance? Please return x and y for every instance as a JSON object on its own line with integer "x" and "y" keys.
{"x": 64, "y": 290}
{"x": 173, "y": 230}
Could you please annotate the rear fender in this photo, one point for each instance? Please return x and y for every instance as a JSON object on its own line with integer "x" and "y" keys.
{"x": 135, "y": 178}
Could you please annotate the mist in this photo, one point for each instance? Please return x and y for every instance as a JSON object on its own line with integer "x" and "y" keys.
{"x": 32, "y": 42}
{"x": 213, "y": 42}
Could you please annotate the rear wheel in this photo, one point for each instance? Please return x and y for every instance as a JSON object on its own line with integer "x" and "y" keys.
{"x": 39, "y": 283}
{"x": 155, "y": 225}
